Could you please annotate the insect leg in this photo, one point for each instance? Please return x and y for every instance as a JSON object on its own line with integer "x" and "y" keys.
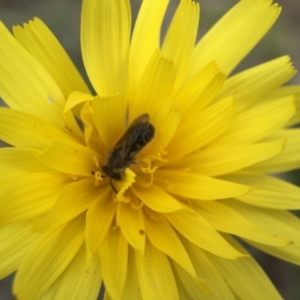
{"x": 113, "y": 187}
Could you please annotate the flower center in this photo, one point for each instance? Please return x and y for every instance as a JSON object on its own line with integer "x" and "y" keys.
{"x": 123, "y": 155}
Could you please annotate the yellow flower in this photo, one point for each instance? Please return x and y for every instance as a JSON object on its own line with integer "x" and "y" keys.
{"x": 149, "y": 217}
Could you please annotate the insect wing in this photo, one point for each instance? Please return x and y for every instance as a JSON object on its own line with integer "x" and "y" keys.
{"x": 139, "y": 133}
{"x": 137, "y": 136}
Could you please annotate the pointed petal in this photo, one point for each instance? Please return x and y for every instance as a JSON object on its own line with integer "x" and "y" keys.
{"x": 202, "y": 128}
{"x": 48, "y": 260}
{"x": 217, "y": 285}
{"x": 287, "y": 160}
{"x": 225, "y": 219}
{"x": 161, "y": 234}
{"x": 80, "y": 280}
{"x": 198, "y": 92}
{"x": 113, "y": 257}
{"x": 270, "y": 192}
{"x": 197, "y": 230}
{"x": 145, "y": 38}
{"x": 132, "y": 289}
{"x": 282, "y": 92}
{"x": 187, "y": 285}
{"x": 259, "y": 122}
{"x": 281, "y": 223}
{"x": 41, "y": 43}
{"x": 24, "y": 130}
{"x": 288, "y": 90}
{"x": 199, "y": 187}
{"x": 165, "y": 121}
{"x": 155, "y": 275}
{"x": 251, "y": 282}
{"x": 157, "y": 199}
{"x": 75, "y": 198}
{"x": 17, "y": 162}
{"x": 99, "y": 219}
{"x": 19, "y": 239}
{"x": 216, "y": 161}
{"x": 91, "y": 135}
{"x": 23, "y": 199}
{"x": 131, "y": 223}
{"x": 109, "y": 115}
{"x": 233, "y": 28}
{"x": 69, "y": 157}
{"x": 154, "y": 88}
{"x": 180, "y": 39}
{"x": 105, "y": 33}
{"x": 76, "y": 98}
{"x": 25, "y": 85}
{"x": 251, "y": 85}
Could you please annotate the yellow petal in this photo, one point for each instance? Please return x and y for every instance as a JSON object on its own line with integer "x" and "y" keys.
{"x": 25, "y": 85}
{"x": 24, "y": 130}
{"x": 131, "y": 223}
{"x": 180, "y": 39}
{"x": 76, "y": 98}
{"x": 283, "y": 92}
{"x": 113, "y": 257}
{"x": 225, "y": 219}
{"x": 202, "y": 128}
{"x": 199, "y": 187}
{"x": 244, "y": 276}
{"x": 157, "y": 199}
{"x": 154, "y": 88}
{"x": 22, "y": 200}
{"x": 217, "y": 285}
{"x": 188, "y": 287}
{"x": 91, "y": 135}
{"x": 46, "y": 49}
{"x": 106, "y": 296}
{"x": 109, "y": 115}
{"x": 19, "y": 239}
{"x": 251, "y": 85}
{"x": 73, "y": 127}
{"x": 105, "y": 33}
{"x": 49, "y": 258}
{"x": 290, "y": 253}
{"x": 16, "y": 162}
{"x": 281, "y": 223}
{"x": 155, "y": 275}
{"x": 69, "y": 157}
{"x": 162, "y": 236}
{"x": 80, "y": 280}
{"x": 145, "y": 38}
{"x": 216, "y": 161}
{"x": 74, "y": 199}
{"x": 197, "y": 230}
{"x": 132, "y": 289}
{"x": 99, "y": 219}
{"x": 244, "y": 25}
{"x": 182, "y": 292}
{"x": 287, "y": 160}
{"x": 198, "y": 92}
{"x": 165, "y": 121}
{"x": 258, "y": 122}
{"x": 270, "y": 192}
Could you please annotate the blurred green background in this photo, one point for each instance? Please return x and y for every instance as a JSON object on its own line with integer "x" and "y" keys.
{"x": 63, "y": 18}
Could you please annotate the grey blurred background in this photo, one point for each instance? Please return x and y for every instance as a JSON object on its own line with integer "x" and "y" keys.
{"x": 63, "y": 18}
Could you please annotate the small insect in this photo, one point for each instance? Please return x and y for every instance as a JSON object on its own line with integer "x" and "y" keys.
{"x": 123, "y": 154}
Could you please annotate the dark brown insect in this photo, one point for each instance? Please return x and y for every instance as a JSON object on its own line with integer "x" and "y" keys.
{"x": 123, "y": 154}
